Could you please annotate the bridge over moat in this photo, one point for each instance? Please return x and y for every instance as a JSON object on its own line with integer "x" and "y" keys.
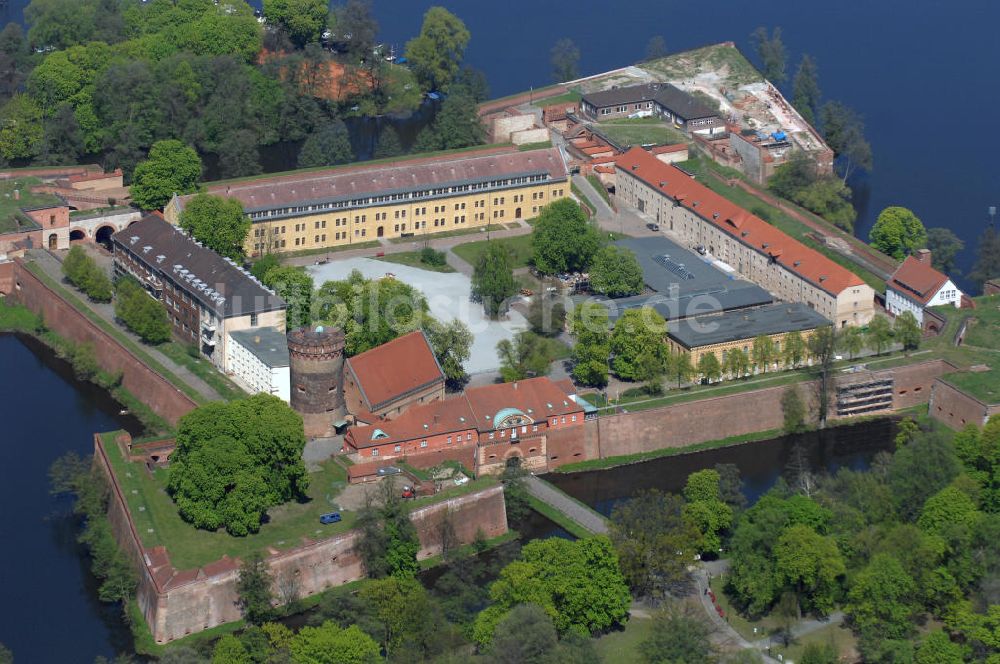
{"x": 572, "y": 510}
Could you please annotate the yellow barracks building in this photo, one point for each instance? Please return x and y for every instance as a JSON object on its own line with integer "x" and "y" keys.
{"x": 357, "y": 204}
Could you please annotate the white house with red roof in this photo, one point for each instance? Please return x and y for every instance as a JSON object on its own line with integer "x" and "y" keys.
{"x": 916, "y": 285}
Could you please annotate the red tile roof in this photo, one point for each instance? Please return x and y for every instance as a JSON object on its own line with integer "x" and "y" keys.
{"x": 394, "y": 369}
{"x": 752, "y": 231}
{"x": 538, "y": 398}
{"x": 662, "y": 149}
{"x": 437, "y": 417}
{"x": 917, "y": 280}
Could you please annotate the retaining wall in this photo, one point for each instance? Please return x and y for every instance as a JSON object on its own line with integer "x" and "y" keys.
{"x": 955, "y": 408}
{"x": 62, "y": 318}
{"x": 176, "y": 603}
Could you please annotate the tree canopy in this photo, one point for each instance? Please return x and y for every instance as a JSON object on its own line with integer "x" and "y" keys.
{"x": 771, "y": 51}
{"x": 295, "y": 286}
{"x": 218, "y": 223}
{"x": 326, "y": 146}
{"x": 944, "y": 246}
{"x": 638, "y": 346}
{"x": 563, "y": 239}
{"x": 565, "y": 59}
{"x": 898, "y": 232}
{"x": 140, "y": 313}
{"x": 615, "y": 272}
{"x": 806, "y": 95}
{"x": 235, "y": 460}
{"x": 172, "y": 168}
{"x": 435, "y": 55}
{"x": 303, "y": 20}
{"x": 493, "y": 280}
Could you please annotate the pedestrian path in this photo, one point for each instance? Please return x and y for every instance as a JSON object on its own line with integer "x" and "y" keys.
{"x": 580, "y": 514}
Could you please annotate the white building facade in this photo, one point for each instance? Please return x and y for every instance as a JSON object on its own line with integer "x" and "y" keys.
{"x": 258, "y": 358}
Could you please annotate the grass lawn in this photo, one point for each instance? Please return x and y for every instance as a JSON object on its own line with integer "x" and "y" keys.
{"x": 17, "y": 318}
{"x": 204, "y": 369}
{"x": 158, "y": 522}
{"x": 11, "y": 217}
{"x": 842, "y": 638}
{"x": 519, "y": 246}
{"x": 641, "y": 131}
{"x": 622, "y": 647}
{"x": 147, "y": 359}
{"x": 412, "y": 258}
{"x": 981, "y": 346}
{"x": 567, "y": 98}
{"x": 429, "y": 235}
{"x": 596, "y": 183}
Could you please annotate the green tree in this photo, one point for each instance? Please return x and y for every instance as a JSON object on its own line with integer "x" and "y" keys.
{"x": 452, "y": 345}
{"x": 493, "y": 280}
{"x": 578, "y": 584}
{"x": 59, "y": 24}
{"x": 546, "y": 315}
{"x": 303, "y": 20}
{"x": 528, "y": 355}
{"x": 254, "y": 589}
{"x": 898, "y": 232}
{"x": 944, "y": 246}
{"x": 354, "y": 27}
{"x": 793, "y": 409}
{"x": 737, "y": 363}
{"x": 83, "y": 272}
{"x": 811, "y": 564}
{"x": 396, "y": 601}
{"x": 229, "y": 650}
{"x": 330, "y": 644}
{"x": 762, "y": 352}
{"x": 987, "y": 264}
{"x": 946, "y": 509}
{"x": 593, "y": 344}
{"x": 771, "y": 51}
{"x": 239, "y": 155}
{"x": 326, "y": 146}
{"x": 879, "y": 334}
{"x": 389, "y": 144}
{"x": 852, "y": 340}
{"x": 21, "y": 128}
{"x": 907, "y": 331}
{"x": 656, "y": 48}
{"x": 705, "y": 509}
{"x": 709, "y": 367}
{"x": 525, "y": 635}
{"x": 295, "y": 286}
{"x": 563, "y": 239}
{"x": 680, "y": 367}
{"x": 436, "y": 54}
{"x": 805, "y": 89}
{"x": 678, "y": 636}
{"x": 844, "y": 132}
{"x": 938, "y": 648}
{"x": 654, "y": 541}
{"x": 565, "y": 59}
{"x": 171, "y": 168}
{"x": 218, "y": 223}
{"x": 794, "y": 350}
{"x": 880, "y": 601}
{"x": 921, "y": 469}
{"x": 615, "y": 272}
{"x": 906, "y": 432}
{"x": 235, "y": 460}
{"x": 637, "y": 341}
{"x": 140, "y": 313}
{"x": 264, "y": 264}
{"x": 456, "y": 125}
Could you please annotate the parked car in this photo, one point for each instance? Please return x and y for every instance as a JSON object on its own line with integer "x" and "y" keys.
{"x": 388, "y": 470}
{"x": 460, "y": 480}
{"x": 408, "y": 491}
{"x": 653, "y": 227}
{"x": 701, "y": 249}
{"x": 330, "y": 517}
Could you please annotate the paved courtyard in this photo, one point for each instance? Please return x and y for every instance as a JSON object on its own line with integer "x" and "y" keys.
{"x": 448, "y": 296}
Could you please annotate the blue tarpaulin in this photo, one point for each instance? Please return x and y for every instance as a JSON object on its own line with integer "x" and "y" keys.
{"x": 778, "y": 135}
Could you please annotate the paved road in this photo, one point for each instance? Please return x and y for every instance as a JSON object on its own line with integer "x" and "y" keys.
{"x": 53, "y": 268}
{"x": 584, "y": 516}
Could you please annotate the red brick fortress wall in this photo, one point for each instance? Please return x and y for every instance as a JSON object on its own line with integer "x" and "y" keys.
{"x": 62, "y": 318}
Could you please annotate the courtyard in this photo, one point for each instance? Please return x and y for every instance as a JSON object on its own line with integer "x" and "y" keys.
{"x": 449, "y": 298}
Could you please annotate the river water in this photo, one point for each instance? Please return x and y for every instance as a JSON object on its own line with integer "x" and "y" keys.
{"x": 50, "y": 611}
{"x": 895, "y": 61}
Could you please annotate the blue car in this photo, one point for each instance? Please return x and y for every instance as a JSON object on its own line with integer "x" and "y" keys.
{"x": 331, "y": 517}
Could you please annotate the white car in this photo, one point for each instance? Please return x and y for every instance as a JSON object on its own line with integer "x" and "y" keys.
{"x": 460, "y": 480}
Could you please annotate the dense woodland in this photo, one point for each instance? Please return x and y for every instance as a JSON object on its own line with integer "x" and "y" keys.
{"x": 105, "y": 79}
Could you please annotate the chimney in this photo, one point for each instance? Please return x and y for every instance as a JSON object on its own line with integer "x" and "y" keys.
{"x": 923, "y": 255}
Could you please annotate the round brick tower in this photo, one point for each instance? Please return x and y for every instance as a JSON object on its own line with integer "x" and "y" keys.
{"x": 316, "y": 370}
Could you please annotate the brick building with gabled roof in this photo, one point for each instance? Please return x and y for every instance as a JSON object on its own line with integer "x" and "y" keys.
{"x": 500, "y": 421}
{"x": 754, "y": 248}
{"x": 916, "y": 285}
{"x": 386, "y": 380}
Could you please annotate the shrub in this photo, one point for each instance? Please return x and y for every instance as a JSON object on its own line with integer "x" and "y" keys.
{"x": 141, "y": 313}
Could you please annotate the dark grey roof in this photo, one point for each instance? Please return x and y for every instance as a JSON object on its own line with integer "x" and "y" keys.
{"x": 775, "y": 318}
{"x": 217, "y": 283}
{"x": 672, "y": 98}
{"x": 686, "y": 284}
{"x": 266, "y": 343}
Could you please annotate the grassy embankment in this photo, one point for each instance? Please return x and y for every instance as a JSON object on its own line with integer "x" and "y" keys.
{"x": 641, "y": 131}
{"x": 11, "y": 217}
{"x": 596, "y": 183}
{"x": 204, "y": 369}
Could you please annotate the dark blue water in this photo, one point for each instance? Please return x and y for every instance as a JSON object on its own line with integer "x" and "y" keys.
{"x": 760, "y": 464}
{"x": 49, "y": 611}
{"x": 921, "y": 73}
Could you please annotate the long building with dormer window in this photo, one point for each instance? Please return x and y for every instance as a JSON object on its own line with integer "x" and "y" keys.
{"x": 338, "y": 207}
